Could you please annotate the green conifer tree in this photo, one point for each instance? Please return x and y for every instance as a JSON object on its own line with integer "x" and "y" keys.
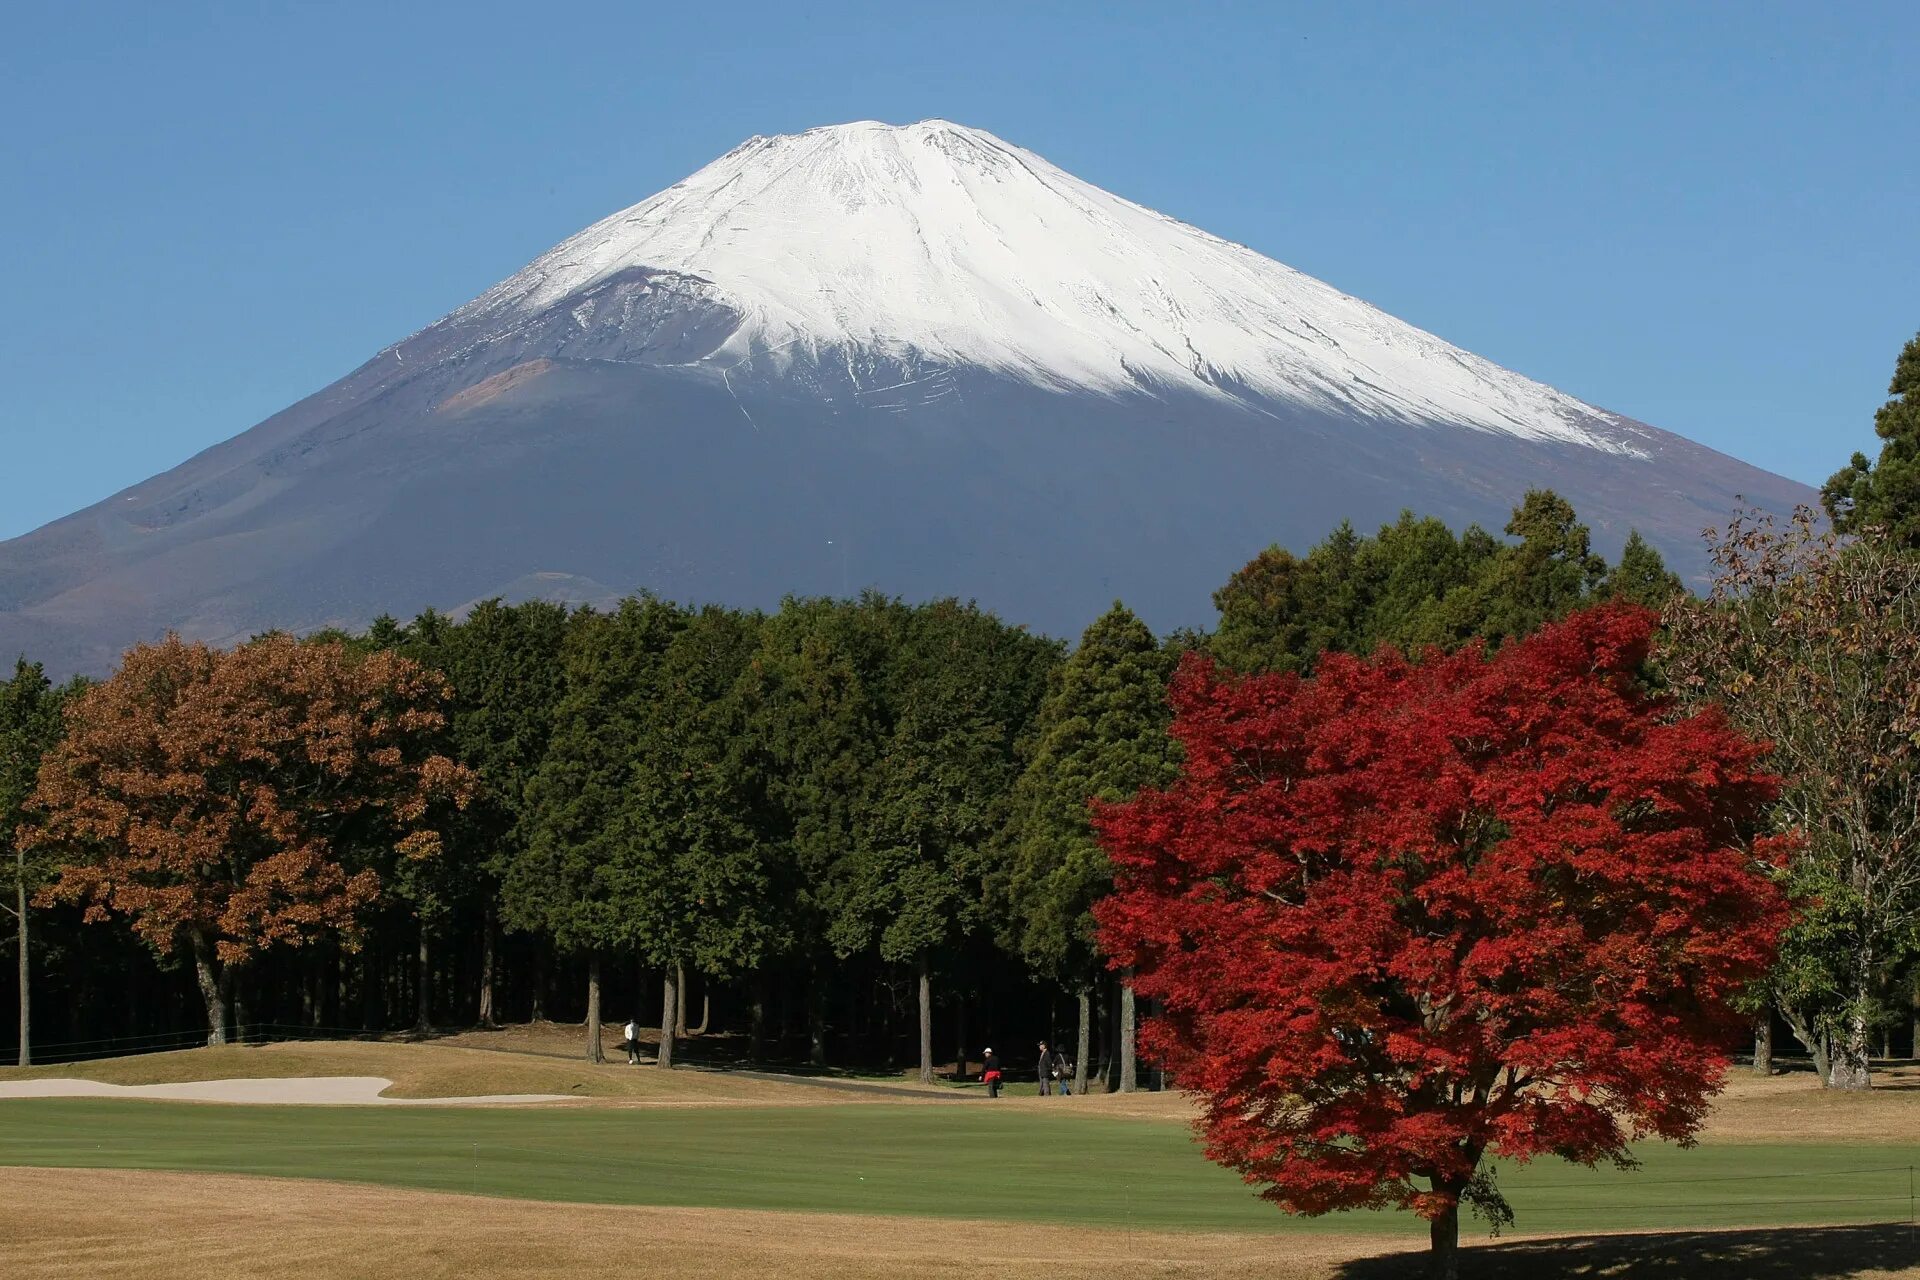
{"x": 506, "y": 668}
{"x": 1101, "y": 734}
{"x": 815, "y": 695}
{"x": 962, "y": 686}
{"x": 1885, "y": 494}
{"x": 689, "y": 858}
{"x": 1641, "y": 575}
{"x": 565, "y": 881}
{"x": 1547, "y": 574}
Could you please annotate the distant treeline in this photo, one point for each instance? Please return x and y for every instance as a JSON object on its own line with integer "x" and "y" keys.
{"x": 847, "y": 831}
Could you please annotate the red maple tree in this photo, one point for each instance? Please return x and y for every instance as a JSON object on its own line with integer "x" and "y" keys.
{"x": 1404, "y": 915}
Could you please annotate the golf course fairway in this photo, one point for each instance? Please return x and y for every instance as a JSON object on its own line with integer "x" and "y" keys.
{"x": 941, "y": 1161}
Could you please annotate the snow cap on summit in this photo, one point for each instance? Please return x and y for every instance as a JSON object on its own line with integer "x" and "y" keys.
{"x": 948, "y": 245}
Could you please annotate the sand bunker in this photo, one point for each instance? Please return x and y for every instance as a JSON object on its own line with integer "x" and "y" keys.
{"x": 358, "y": 1091}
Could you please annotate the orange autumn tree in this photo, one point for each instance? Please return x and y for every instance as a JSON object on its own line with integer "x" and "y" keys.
{"x": 229, "y": 802}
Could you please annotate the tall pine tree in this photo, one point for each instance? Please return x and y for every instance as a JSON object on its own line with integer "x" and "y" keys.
{"x": 506, "y": 668}
{"x": 961, "y": 687}
{"x": 816, "y": 693}
{"x": 1101, "y": 734}
{"x": 1415, "y": 584}
{"x": 565, "y": 882}
{"x": 1885, "y": 494}
{"x": 690, "y": 858}
{"x": 1641, "y": 576}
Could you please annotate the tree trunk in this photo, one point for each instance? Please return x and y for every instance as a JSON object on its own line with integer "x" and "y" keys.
{"x": 235, "y": 985}
{"x": 706, "y": 1013}
{"x": 538, "y": 1010}
{"x": 594, "y": 1051}
{"x": 1443, "y": 1244}
{"x": 860, "y": 1037}
{"x": 960, "y": 1038}
{"x": 1814, "y": 1044}
{"x": 1126, "y": 1034}
{"x": 372, "y": 1011}
{"x": 310, "y": 985}
{"x": 423, "y": 992}
{"x": 1084, "y": 997}
{"x": 488, "y": 928}
{"x": 926, "y": 1023}
{"x": 669, "y": 1014}
{"x": 329, "y": 988}
{"x": 816, "y": 1021}
{"x": 757, "y": 1020}
{"x": 680, "y": 1000}
{"x": 213, "y": 987}
{"x": 1159, "y": 1085}
{"x": 1103, "y": 1025}
{"x": 1849, "y": 1069}
{"x": 1763, "y": 1043}
{"x": 26, "y": 992}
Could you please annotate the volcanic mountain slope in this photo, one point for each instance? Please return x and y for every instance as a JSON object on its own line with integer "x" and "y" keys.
{"x": 917, "y": 358}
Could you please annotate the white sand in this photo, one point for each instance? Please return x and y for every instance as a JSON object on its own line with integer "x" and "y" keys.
{"x": 358, "y": 1091}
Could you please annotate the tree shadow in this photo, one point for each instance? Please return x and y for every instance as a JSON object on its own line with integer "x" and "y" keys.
{"x": 1783, "y": 1253}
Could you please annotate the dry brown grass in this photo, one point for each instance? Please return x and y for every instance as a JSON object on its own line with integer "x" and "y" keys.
{"x": 225, "y": 1227}
{"x": 1787, "y": 1107}
{"x": 442, "y": 1070}
{"x": 546, "y": 1058}
{"x": 1792, "y": 1107}
{"x": 220, "y": 1227}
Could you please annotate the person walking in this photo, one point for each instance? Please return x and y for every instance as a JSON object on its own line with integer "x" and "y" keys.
{"x": 1063, "y": 1073}
{"x": 1048, "y": 1073}
{"x": 633, "y": 1042}
{"x": 990, "y": 1073}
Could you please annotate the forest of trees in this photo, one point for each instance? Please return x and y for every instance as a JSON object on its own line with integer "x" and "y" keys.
{"x": 850, "y": 832}
{"x": 855, "y": 833}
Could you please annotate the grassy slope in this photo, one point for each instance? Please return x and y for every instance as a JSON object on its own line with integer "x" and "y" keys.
{"x": 426, "y": 1071}
{"x": 1014, "y": 1164}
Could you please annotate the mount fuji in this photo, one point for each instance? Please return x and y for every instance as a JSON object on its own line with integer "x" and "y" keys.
{"x": 918, "y": 358}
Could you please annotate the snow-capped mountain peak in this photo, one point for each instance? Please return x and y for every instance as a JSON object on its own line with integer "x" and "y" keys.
{"x": 936, "y": 243}
{"x": 916, "y": 359}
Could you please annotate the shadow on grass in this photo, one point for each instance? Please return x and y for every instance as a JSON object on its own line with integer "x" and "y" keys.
{"x": 1784, "y": 1253}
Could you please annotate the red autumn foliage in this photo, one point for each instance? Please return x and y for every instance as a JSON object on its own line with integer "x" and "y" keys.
{"x": 1402, "y": 915}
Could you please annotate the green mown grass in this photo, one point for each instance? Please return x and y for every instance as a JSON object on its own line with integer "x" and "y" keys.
{"x": 947, "y": 1161}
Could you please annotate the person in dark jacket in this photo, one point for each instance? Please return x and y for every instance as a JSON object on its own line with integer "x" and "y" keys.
{"x": 1049, "y": 1070}
{"x": 990, "y": 1073}
{"x": 1062, "y": 1072}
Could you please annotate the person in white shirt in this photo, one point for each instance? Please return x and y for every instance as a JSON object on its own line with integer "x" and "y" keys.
{"x": 633, "y": 1043}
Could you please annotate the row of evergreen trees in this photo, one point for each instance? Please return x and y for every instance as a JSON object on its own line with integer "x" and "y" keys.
{"x": 839, "y": 818}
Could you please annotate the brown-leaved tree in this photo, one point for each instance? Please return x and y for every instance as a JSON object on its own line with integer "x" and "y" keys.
{"x": 229, "y": 802}
{"x": 1811, "y": 642}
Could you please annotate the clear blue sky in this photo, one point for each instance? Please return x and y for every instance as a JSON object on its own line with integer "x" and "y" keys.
{"x": 1703, "y": 215}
